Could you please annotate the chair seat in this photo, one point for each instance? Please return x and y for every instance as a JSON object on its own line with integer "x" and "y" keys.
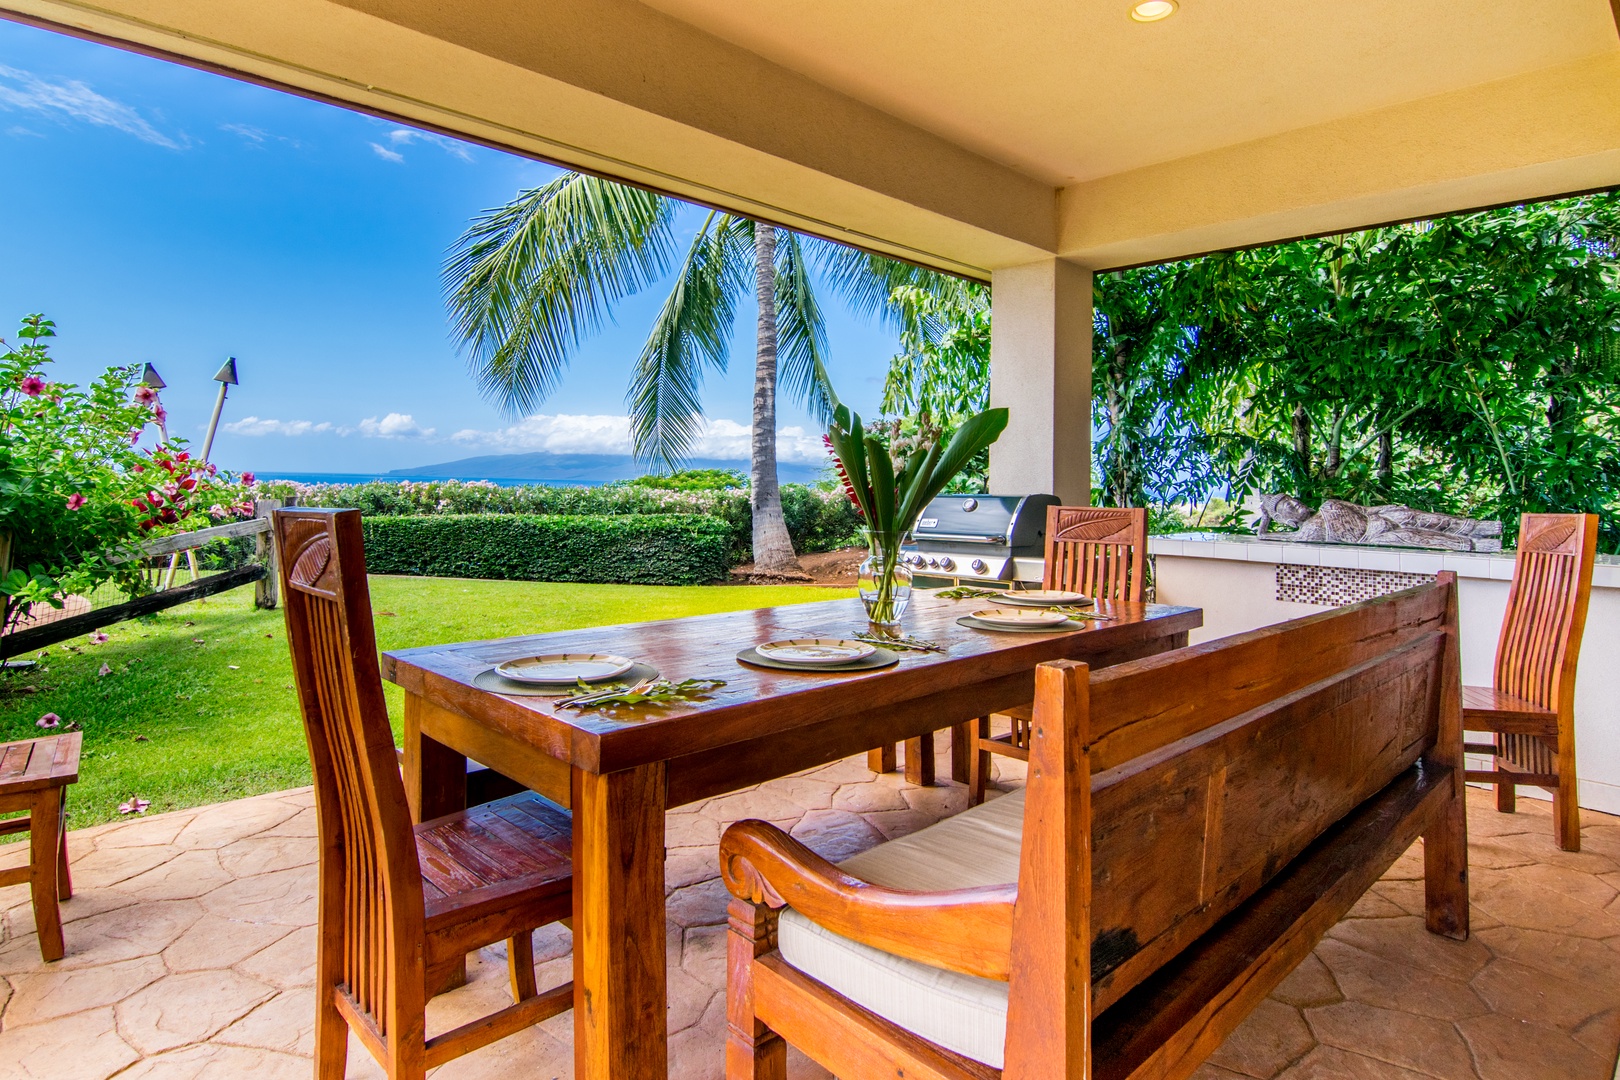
{"x": 1496, "y": 710}
{"x": 36, "y": 764}
{"x": 486, "y": 859}
{"x": 979, "y": 846}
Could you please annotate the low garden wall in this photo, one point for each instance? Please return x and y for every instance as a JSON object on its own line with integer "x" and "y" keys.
{"x": 1242, "y": 583}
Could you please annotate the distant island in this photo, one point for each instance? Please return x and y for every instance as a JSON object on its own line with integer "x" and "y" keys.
{"x": 549, "y": 468}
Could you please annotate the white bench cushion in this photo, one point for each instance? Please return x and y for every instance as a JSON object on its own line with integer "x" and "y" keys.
{"x": 959, "y": 1012}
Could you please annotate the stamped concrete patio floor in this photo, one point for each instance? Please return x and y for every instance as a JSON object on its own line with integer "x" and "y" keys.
{"x": 190, "y": 952}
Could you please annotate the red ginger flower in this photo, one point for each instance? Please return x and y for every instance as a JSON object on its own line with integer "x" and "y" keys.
{"x": 843, "y": 476}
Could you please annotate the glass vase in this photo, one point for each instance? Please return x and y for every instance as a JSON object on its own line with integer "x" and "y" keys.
{"x": 885, "y": 583}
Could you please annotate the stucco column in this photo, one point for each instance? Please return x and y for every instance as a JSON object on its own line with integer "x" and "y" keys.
{"x": 1040, "y": 369}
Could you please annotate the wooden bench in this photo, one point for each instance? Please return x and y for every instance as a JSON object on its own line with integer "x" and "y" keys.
{"x": 1192, "y": 824}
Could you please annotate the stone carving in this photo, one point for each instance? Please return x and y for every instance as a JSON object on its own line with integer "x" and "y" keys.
{"x": 1340, "y": 522}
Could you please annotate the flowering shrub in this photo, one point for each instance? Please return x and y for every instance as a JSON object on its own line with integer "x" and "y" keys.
{"x": 184, "y": 485}
{"x": 817, "y": 520}
{"x": 76, "y": 491}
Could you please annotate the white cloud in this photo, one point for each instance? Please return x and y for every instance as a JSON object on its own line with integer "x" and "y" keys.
{"x": 406, "y": 136}
{"x": 394, "y": 426}
{"x": 254, "y": 426}
{"x": 258, "y": 136}
{"x": 23, "y": 90}
{"x": 596, "y": 434}
{"x": 397, "y": 139}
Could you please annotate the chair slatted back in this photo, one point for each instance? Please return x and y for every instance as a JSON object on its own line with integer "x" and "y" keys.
{"x": 371, "y": 892}
{"x": 1213, "y": 767}
{"x": 1096, "y": 550}
{"x": 1546, "y": 609}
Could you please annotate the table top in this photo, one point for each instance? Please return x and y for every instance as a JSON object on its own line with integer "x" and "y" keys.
{"x": 754, "y": 701}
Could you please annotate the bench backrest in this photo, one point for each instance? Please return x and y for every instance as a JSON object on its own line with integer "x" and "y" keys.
{"x": 1166, "y": 792}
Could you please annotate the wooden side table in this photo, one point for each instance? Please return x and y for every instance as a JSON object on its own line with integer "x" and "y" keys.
{"x": 34, "y": 776}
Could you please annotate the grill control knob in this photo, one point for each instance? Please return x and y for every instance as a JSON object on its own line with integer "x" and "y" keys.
{"x": 947, "y": 563}
{"x": 933, "y": 562}
{"x": 970, "y": 504}
{"x": 979, "y": 566}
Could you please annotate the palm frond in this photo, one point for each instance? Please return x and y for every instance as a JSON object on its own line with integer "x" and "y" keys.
{"x": 867, "y": 282}
{"x": 528, "y": 281}
{"x": 693, "y": 329}
{"x": 801, "y": 334}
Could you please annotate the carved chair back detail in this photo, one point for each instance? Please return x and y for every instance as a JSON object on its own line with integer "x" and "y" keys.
{"x": 1096, "y": 550}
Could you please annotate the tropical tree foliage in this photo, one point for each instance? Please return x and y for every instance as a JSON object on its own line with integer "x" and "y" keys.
{"x": 941, "y": 375}
{"x": 1467, "y": 364}
{"x": 529, "y": 281}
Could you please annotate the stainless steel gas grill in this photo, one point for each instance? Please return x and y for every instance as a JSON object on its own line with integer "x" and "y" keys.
{"x": 975, "y": 538}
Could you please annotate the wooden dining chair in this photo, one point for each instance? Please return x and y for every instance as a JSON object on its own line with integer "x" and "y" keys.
{"x": 1530, "y": 705}
{"x": 1095, "y": 550}
{"x": 401, "y": 906}
{"x": 34, "y": 776}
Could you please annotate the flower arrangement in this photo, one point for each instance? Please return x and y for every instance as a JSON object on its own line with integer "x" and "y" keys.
{"x": 890, "y": 480}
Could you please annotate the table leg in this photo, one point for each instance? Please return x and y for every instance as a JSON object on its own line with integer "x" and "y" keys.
{"x": 620, "y": 977}
{"x": 962, "y": 751}
{"x": 435, "y": 775}
{"x": 920, "y": 760}
{"x": 881, "y": 759}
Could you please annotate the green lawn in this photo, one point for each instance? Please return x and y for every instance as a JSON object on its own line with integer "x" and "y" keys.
{"x": 198, "y": 706}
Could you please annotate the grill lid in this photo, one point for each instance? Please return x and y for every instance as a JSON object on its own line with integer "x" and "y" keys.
{"x": 977, "y": 536}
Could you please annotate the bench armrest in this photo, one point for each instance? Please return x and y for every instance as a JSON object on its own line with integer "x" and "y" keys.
{"x": 966, "y": 930}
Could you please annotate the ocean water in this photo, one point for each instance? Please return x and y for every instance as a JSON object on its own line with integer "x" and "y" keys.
{"x": 366, "y": 478}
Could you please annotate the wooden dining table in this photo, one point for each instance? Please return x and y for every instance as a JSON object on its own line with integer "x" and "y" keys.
{"x": 620, "y": 769}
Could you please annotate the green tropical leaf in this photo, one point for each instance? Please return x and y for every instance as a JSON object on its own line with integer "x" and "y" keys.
{"x": 528, "y": 281}
{"x": 692, "y": 331}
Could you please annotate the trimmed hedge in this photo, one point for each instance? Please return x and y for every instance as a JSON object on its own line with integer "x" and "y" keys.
{"x": 624, "y": 549}
{"x": 817, "y": 520}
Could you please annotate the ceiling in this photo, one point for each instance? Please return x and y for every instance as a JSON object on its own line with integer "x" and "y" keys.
{"x": 967, "y": 136}
{"x": 1071, "y": 90}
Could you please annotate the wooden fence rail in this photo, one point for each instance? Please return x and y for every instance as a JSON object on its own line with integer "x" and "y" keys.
{"x": 262, "y": 574}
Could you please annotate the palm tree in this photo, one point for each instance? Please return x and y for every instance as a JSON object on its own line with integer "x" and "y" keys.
{"x": 528, "y": 281}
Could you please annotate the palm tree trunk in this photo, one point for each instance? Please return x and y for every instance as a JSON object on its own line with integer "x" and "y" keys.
{"x": 773, "y": 547}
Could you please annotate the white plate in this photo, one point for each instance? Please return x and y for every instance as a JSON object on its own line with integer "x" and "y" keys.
{"x": 1045, "y": 598}
{"x": 815, "y": 652}
{"x": 565, "y": 668}
{"x": 1026, "y": 617}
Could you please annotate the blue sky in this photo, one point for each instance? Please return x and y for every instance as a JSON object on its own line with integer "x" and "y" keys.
{"x": 168, "y": 215}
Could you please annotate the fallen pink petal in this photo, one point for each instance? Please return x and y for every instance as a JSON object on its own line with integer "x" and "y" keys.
{"x": 136, "y": 805}
{"x": 106, "y": 669}
{"x": 99, "y": 638}
{"x": 49, "y": 720}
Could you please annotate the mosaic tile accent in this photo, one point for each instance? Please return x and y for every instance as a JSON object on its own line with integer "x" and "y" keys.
{"x": 1332, "y": 586}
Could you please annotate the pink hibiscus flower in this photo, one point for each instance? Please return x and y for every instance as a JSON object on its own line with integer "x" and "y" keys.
{"x": 75, "y": 500}
{"x": 33, "y": 385}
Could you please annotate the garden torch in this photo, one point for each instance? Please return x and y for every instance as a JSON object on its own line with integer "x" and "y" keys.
{"x": 226, "y": 377}
{"x": 153, "y": 381}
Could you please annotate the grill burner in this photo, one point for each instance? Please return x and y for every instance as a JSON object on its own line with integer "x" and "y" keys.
{"x": 976, "y": 537}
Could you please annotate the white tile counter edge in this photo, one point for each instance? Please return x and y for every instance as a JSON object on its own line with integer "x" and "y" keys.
{"x": 1498, "y": 565}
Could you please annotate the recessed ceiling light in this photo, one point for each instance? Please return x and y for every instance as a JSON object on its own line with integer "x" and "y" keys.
{"x": 1153, "y": 10}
